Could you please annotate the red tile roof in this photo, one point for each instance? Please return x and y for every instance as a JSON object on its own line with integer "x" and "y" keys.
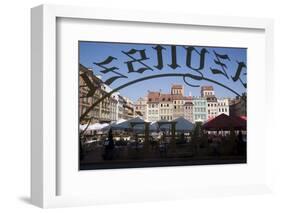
{"x": 153, "y": 96}
{"x": 158, "y": 96}
{"x": 166, "y": 97}
{"x": 207, "y": 88}
{"x": 177, "y": 86}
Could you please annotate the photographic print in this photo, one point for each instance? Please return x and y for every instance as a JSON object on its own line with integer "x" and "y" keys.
{"x": 154, "y": 105}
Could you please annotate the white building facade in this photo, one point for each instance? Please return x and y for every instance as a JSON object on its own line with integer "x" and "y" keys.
{"x": 223, "y": 106}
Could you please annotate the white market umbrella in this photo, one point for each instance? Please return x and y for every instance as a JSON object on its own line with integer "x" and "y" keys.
{"x": 114, "y": 124}
{"x": 128, "y": 124}
{"x": 96, "y": 126}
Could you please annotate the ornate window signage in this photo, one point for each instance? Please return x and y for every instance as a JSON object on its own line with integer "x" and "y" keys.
{"x": 121, "y": 114}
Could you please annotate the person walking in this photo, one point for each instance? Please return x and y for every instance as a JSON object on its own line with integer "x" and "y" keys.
{"x": 109, "y": 148}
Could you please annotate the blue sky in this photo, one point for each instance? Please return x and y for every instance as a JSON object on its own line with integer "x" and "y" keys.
{"x": 95, "y": 52}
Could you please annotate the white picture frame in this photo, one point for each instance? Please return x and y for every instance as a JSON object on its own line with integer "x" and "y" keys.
{"x": 44, "y": 153}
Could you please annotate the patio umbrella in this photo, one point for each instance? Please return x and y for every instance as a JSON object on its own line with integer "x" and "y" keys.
{"x": 114, "y": 124}
{"x": 226, "y": 123}
{"x": 96, "y": 126}
{"x": 82, "y": 127}
{"x": 129, "y": 123}
{"x": 183, "y": 124}
{"x": 163, "y": 124}
{"x": 240, "y": 123}
{"x": 153, "y": 127}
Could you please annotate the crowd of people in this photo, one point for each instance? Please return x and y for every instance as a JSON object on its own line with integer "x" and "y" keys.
{"x": 215, "y": 143}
